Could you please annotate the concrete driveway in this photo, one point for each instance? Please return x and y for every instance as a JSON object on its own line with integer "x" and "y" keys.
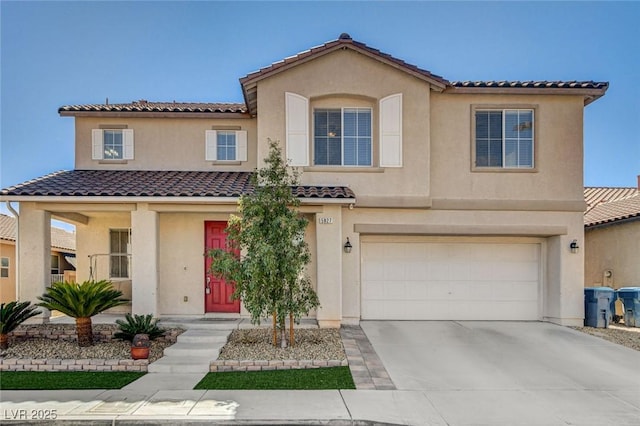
{"x": 510, "y": 372}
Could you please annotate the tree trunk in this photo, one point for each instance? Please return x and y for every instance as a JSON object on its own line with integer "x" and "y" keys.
{"x": 4, "y": 341}
{"x": 84, "y": 331}
{"x": 275, "y": 331}
{"x": 292, "y": 340}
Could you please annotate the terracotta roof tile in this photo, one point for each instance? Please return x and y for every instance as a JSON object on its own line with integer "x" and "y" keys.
{"x": 150, "y": 183}
{"x": 60, "y": 238}
{"x": 146, "y": 106}
{"x": 613, "y": 211}
{"x": 534, "y": 84}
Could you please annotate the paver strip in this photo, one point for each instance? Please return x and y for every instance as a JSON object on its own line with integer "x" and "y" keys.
{"x": 367, "y": 369}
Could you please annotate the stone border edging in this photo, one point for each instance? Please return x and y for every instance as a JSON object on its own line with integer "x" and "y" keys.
{"x": 87, "y": 364}
{"x": 220, "y": 365}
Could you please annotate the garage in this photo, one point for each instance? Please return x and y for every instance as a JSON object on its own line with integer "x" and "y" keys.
{"x": 450, "y": 279}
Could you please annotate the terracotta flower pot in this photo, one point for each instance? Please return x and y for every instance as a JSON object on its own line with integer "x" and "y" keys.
{"x": 139, "y": 352}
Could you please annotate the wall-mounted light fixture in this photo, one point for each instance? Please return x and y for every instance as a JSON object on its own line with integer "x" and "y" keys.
{"x": 347, "y": 246}
{"x": 574, "y": 247}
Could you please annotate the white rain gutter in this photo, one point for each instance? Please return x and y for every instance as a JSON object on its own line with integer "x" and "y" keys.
{"x": 17, "y": 273}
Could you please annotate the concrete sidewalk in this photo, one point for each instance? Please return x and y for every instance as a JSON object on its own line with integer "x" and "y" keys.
{"x": 346, "y": 407}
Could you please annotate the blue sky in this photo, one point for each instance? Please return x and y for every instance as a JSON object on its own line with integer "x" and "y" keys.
{"x": 61, "y": 53}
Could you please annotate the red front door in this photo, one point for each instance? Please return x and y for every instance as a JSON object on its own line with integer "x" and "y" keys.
{"x": 217, "y": 293}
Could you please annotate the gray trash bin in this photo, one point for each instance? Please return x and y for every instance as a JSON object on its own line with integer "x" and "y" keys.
{"x": 597, "y": 306}
{"x": 630, "y": 297}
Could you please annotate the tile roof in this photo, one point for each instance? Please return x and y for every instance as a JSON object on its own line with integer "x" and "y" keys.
{"x": 60, "y": 238}
{"x": 542, "y": 84}
{"x": 152, "y": 183}
{"x": 613, "y": 211}
{"x": 146, "y": 106}
{"x": 594, "y": 195}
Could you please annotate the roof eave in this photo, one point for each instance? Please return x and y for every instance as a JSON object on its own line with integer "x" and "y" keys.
{"x": 155, "y": 114}
{"x": 589, "y": 95}
{"x": 611, "y": 222}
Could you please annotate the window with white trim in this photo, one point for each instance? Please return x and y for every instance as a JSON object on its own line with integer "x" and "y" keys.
{"x": 112, "y": 144}
{"x": 226, "y": 145}
{"x": 504, "y": 138}
{"x": 119, "y": 248}
{"x": 342, "y": 137}
{"x": 4, "y": 267}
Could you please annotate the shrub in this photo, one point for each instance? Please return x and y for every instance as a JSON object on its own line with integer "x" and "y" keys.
{"x": 13, "y": 314}
{"x": 138, "y": 324}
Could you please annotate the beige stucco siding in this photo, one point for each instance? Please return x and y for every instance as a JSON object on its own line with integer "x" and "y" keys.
{"x": 557, "y": 174}
{"x": 8, "y": 284}
{"x": 344, "y": 79}
{"x": 615, "y": 248}
{"x": 164, "y": 143}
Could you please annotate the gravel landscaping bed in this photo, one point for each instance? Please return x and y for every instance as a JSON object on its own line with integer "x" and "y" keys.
{"x": 37, "y": 347}
{"x": 310, "y": 344}
{"x": 626, "y": 337}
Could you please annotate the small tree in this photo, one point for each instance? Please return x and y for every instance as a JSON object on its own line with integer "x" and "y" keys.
{"x": 82, "y": 301}
{"x": 269, "y": 231}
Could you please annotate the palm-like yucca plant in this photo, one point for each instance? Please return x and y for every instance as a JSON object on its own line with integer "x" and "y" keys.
{"x": 82, "y": 301}
{"x": 13, "y": 314}
{"x": 138, "y": 324}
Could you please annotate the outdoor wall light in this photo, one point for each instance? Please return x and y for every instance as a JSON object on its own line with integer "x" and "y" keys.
{"x": 347, "y": 246}
{"x": 574, "y": 247}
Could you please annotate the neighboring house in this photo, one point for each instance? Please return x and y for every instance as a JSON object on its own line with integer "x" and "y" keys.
{"x": 60, "y": 265}
{"x": 612, "y": 237}
{"x": 460, "y": 199}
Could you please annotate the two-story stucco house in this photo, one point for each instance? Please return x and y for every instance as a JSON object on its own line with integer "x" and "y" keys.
{"x": 460, "y": 199}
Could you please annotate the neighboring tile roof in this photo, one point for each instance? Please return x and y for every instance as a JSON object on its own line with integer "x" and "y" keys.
{"x": 146, "y": 106}
{"x": 594, "y": 195}
{"x": 151, "y": 183}
{"x": 613, "y": 211}
{"x": 543, "y": 84}
{"x": 60, "y": 238}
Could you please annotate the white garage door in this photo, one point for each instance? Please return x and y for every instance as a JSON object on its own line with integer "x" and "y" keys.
{"x": 450, "y": 281}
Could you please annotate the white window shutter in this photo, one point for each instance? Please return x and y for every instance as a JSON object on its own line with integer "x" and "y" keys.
{"x": 127, "y": 137}
{"x": 297, "y": 126}
{"x": 211, "y": 145}
{"x": 97, "y": 151}
{"x": 241, "y": 145}
{"x": 391, "y": 131}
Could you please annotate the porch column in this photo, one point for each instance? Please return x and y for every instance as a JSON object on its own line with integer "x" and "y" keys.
{"x": 329, "y": 266}
{"x": 144, "y": 261}
{"x": 34, "y": 255}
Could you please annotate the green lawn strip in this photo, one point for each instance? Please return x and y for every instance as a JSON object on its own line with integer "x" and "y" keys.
{"x": 313, "y": 378}
{"x": 52, "y": 380}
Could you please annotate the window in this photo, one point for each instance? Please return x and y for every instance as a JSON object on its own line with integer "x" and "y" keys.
{"x": 226, "y": 145}
{"x": 342, "y": 137}
{"x": 504, "y": 138}
{"x": 112, "y": 144}
{"x": 4, "y": 267}
{"x": 55, "y": 264}
{"x": 119, "y": 253}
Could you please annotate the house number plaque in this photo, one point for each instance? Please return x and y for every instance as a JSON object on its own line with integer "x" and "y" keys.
{"x": 325, "y": 220}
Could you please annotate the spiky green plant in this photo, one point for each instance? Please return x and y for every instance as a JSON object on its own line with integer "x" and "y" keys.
{"x": 138, "y": 324}
{"x": 82, "y": 301}
{"x": 13, "y": 314}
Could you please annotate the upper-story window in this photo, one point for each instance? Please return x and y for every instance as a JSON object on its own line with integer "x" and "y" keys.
{"x": 226, "y": 145}
{"x": 112, "y": 144}
{"x": 504, "y": 138}
{"x": 342, "y": 137}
